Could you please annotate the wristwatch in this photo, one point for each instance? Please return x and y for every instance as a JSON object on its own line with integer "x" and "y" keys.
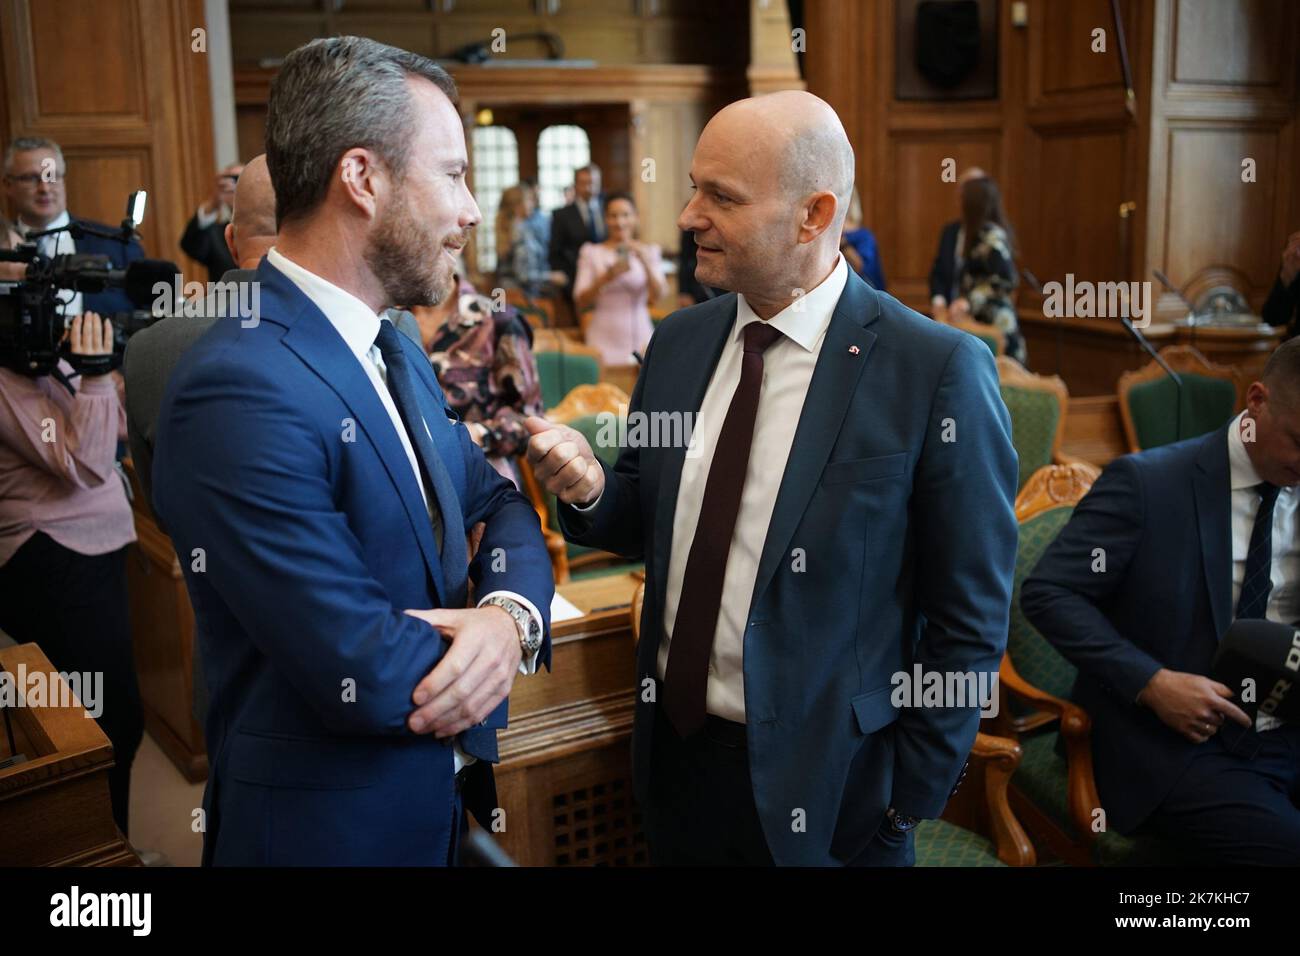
{"x": 530, "y": 632}
{"x": 901, "y": 822}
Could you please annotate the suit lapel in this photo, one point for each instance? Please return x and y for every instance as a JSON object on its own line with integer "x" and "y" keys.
{"x": 1212, "y": 490}
{"x": 691, "y": 372}
{"x": 834, "y": 382}
{"x": 313, "y": 339}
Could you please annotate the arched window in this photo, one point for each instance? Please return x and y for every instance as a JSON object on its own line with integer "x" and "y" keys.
{"x": 560, "y": 150}
{"x": 496, "y": 168}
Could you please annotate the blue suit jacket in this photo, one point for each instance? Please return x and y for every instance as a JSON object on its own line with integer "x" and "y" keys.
{"x": 910, "y": 545}
{"x": 303, "y": 536}
{"x": 1164, "y": 520}
{"x": 110, "y": 301}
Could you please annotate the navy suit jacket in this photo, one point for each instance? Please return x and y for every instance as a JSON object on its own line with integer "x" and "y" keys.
{"x": 110, "y": 301}
{"x": 1163, "y": 518}
{"x": 303, "y": 537}
{"x": 899, "y": 491}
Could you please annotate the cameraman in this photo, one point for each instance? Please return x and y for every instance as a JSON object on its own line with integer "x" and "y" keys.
{"x": 35, "y": 181}
{"x": 64, "y": 527}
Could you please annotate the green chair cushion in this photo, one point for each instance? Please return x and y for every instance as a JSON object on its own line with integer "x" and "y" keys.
{"x": 1034, "y": 658}
{"x": 1035, "y": 416}
{"x": 940, "y": 843}
{"x": 1207, "y": 403}
{"x": 561, "y": 372}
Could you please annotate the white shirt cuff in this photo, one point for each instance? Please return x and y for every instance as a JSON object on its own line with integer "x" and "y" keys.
{"x": 590, "y": 507}
{"x": 529, "y": 664}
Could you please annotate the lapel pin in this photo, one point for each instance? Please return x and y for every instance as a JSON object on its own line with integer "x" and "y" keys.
{"x": 854, "y": 350}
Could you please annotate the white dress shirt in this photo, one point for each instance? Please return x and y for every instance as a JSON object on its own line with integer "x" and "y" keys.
{"x": 1284, "y": 599}
{"x": 788, "y": 366}
{"x": 71, "y": 303}
{"x": 358, "y": 326}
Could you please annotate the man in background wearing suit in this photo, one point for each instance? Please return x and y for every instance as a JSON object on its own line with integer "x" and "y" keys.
{"x": 152, "y": 353}
{"x": 583, "y": 220}
{"x": 845, "y": 514}
{"x": 1193, "y": 535}
{"x": 35, "y": 176}
{"x": 320, "y": 491}
{"x": 204, "y": 238}
{"x": 946, "y": 269}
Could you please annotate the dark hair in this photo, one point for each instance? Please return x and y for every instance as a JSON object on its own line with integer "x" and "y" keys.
{"x": 332, "y": 95}
{"x": 981, "y": 204}
{"x": 619, "y": 194}
{"x": 1282, "y": 371}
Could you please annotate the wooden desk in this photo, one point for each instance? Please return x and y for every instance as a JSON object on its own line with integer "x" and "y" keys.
{"x": 55, "y": 809}
{"x": 565, "y": 777}
{"x": 1093, "y": 353}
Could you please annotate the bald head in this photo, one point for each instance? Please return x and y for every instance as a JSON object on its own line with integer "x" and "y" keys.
{"x": 252, "y": 227}
{"x": 773, "y": 177}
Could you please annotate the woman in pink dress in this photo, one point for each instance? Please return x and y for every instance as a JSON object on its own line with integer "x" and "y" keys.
{"x": 617, "y": 279}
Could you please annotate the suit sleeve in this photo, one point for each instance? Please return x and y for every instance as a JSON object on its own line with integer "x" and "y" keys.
{"x": 560, "y": 262}
{"x": 512, "y": 554}
{"x": 138, "y": 428}
{"x": 966, "y": 539}
{"x": 255, "y": 494}
{"x": 614, "y": 523}
{"x": 1280, "y": 307}
{"x": 196, "y": 242}
{"x": 939, "y": 269}
{"x": 1066, "y": 592}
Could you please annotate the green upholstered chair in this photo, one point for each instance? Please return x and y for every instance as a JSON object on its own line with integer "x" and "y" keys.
{"x": 1150, "y": 406}
{"x": 1037, "y": 404}
{"x": 561, "y": 371}
{"x": 1053, "y": 790}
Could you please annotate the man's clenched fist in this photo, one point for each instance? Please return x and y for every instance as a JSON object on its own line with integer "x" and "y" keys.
{"x": 563, "y": 462}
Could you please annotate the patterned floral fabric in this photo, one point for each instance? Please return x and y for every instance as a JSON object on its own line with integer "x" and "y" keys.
{"x": 987, "y": 280}
{"x": 484, "y": 361}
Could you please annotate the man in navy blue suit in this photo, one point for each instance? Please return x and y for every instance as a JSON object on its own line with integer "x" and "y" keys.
{"x": 843, "y": 515}
{"x": 1167, "y": 549}
{"x": 35, "y": 178}
{"x": 319, "y": 492}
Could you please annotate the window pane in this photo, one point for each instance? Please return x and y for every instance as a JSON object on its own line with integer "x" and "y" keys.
{"x": 496, "y": 168}
{"x": 560, "y": 150}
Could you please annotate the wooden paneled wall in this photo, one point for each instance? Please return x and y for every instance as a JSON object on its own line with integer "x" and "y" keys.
{"x": 607, "y": 31}
{"x": 1223, "y": 90}
{"x": 1215, "y": 83}
{"x": 119, "y": 86}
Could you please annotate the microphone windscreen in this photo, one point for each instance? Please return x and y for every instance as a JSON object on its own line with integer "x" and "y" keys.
{"x": 143, "y": 274}
{"x": 1265, "y": 655}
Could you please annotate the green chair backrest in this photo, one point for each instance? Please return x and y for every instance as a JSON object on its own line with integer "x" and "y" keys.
{"x": 561, "y": 372}
{"x": 1035, "y": 416}
{"x": 1207, "y": 403}
{"x": 1035, "y": 659}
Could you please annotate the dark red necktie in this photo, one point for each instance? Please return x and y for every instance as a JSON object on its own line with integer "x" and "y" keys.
{"x": 687, "y": 675}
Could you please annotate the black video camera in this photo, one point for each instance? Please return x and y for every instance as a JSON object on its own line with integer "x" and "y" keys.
{"x": 31, "y": 324}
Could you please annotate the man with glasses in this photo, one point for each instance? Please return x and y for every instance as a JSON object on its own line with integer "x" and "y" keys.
{"x": 35, "y": 180}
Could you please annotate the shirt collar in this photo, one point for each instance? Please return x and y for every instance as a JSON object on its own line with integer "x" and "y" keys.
{"x": 58, "y": 222}
{"x": 350, "y": 316}
{"x": 1241, "y": 471}
{"x": 805, "y": 324}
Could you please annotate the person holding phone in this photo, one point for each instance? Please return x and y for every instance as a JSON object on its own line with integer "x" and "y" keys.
{"x": 617, "y": 279}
